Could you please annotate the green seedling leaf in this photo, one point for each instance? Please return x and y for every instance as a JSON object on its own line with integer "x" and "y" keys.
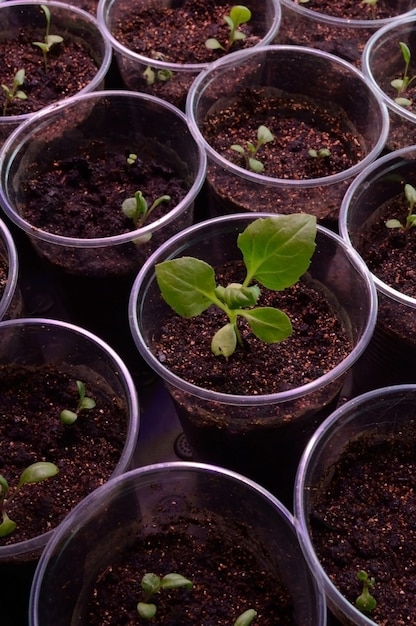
{"x": 263, "y": 135}
{"x": 49, "y": 40}
{"x": 137, "y": 208}
{"x": 255, "y": 165}
{"x": 175, "y": 581}
{"x": 187, "y": 285}
{"x": 151, "y": 584}
{"x": 268, "y": 324}
{"x": 406, "y": 54}
{"x": 84, "y": 403}
{"x": 7, "y": 526}
{"x": 14, "y": 91}
{"x": 278, "y": 250}
{"x": 250, "y": 151}
{"x": 404, "y": 102}
{"x": 393, "y": 223}
{"x": 37, "y": 472}
{"x": 239, "y": 14}
{"x": 146, "y": 610}
{"x": 246, "y": 618}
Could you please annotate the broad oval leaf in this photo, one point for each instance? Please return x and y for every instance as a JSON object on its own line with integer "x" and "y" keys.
{"x": 246, "y": 618}
{"x": 187, "y": 285}
{"x": 174, "y": 581}
{"x": 146, "y": 610}
{"x": 150, "y": 583}
{"x": 37, "y": 472}
{"x": 277, "y": 250}
{"x": 240, "y": 14}
{"x": 393, "y": 223}
{"x": 268, "y": 324}
{"x": 224, "y": 342}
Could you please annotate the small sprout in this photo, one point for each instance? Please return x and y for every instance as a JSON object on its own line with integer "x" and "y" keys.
{"x": 410, "y": 194}
{"x": 35, "y": 473}
{"x": 365, "y": 602}
{"x": 162, "y": 75}
{"x": 239, "y": 14}
{"x": 151, "y": 584}
{"x": 403, "y": 83}
{"x": 276, "y": 252}
{"x": 14, "y": 91}
{"x": 137, "y": 208}
{"x": 372, "y": 4}
{"x": 319, "y": 154}
{"x": 250, "y": 152}
{"x": 132, "y": 158}
{"x": 246, "y": 618}
{"x": 49, "y": 40}
{"x": 84, "y": 403}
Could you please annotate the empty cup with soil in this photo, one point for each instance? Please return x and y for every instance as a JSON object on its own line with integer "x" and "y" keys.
{"x": 11, "y": 304}
{"x": 326, "y": 126}
{"x": 253, "y": 410}
{"x": 341, "y": 28}
{"x": 354, "y": 501}
{"x": 32, "y": 77}
{"x": 377, "y": 195}
{"x": 160, "y": 47}
{"x": 97, "y": 183}
{"x": 384, "y": 61}
{"x": 232, "y": 539}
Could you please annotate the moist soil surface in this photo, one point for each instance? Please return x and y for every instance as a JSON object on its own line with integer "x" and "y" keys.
{"x": 227, "y": 579}
{"x": 318, "y": 342}
{"x": 86, "y": 452}
{"x": 363, "y": 519}
{"x": 69, "y": 69}
{"x": 177, "y": 34}
{"x": 4, "y": 270}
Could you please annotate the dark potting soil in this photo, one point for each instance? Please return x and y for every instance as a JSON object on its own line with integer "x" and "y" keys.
{"x": 86, "y": 452}
{"x": 352, "y": 10}
{"x": 298, "y": 124}
{"x": 363, "y": 519}
{"x": 4, "y": 271}
{"x": 318, "y": 343}
{"x": 70, "y": 68}
{"x": 80, "y": 195}
{"x": 228, "y": 578}
{"x": 388, "y": 251}
{"x": 177, "y": 33}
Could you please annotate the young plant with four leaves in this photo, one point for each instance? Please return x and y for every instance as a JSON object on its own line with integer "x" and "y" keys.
{"x": 14, "y": 92}
{"x": 365, "y": 602}
{"x": 250, "y": 151}
{"x": 276, "y": 253}
{"x": 410, "y": 195}
{"x": 239, "y": 14}
{"x": 84, "y": 403}
{"x": 403, "y": 83}
{"x": 49, "y": 40}
{"x": 35, "y": 473}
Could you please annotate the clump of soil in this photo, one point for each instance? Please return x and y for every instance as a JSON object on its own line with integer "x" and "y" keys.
{"x": 86, "y": 452}
{"x": 363, "y": 519}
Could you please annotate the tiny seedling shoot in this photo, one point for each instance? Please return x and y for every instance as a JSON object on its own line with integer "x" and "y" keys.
{"x": 151, "y": 584}
{"x": 35, "y": 473}
{"x": 14, "y": 92}
{"x": 322, "y": 153}
{"x": 403, "y": 83}
{"x": 365, "y": 602}
{"x": 373, "y": 5}
{"x": 161, "y": 75}
{"x": 410, "y": 195}
{"x": 137, "y": 208}
{"x": 49, "y": 40}
{"x": 246, "y": 618}
{"x": 276, "y": 252}
{"x": 239, "y": 14}
{"x": 250, "y": 151}
{"x": 84, "y": 403}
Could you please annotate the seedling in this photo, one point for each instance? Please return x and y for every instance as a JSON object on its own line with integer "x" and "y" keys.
{"x": 373, "y": 5}
{"x": 84, "y": 403}
{"x": 151, "y": 584}
{"x": 160, "y": 75}
{"x": 410, "y": 194}
{"x": 14, "y": 92}
{"x": 35, "y": 473}
{"x": 403, "y": 83}
{"x": 250, "y": 151}
{"x": 246, "y": 618}
{"x": 239, "y": 14}
{"x": 137, "y": 208}
{"x": 319, "y": 154}
{"x": 276, "y": 252}
{"x": 132, "y": 158}
{"x": 49, "y": 40}
{"x": 365, "y": 602}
